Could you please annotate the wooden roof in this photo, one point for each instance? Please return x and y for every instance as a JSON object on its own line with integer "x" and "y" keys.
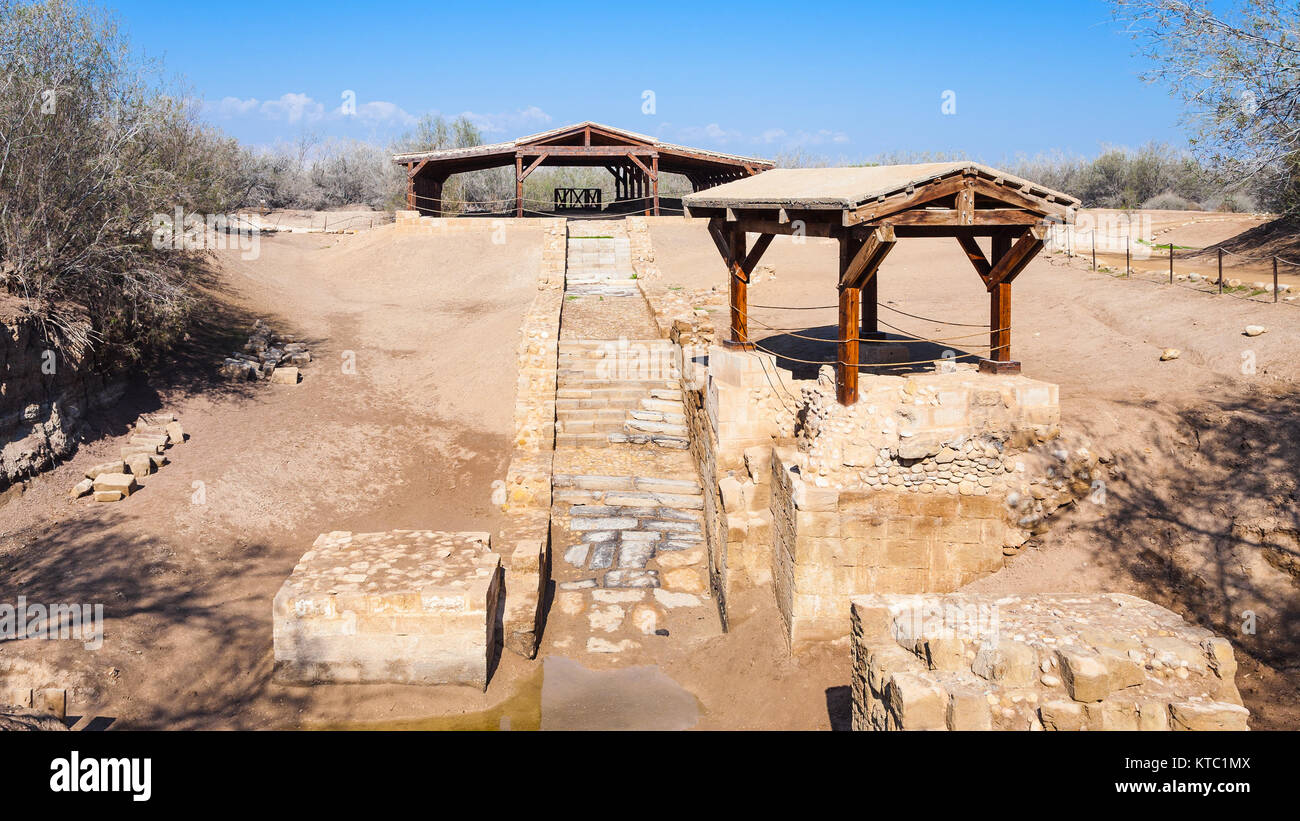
{"x": 861, "y": 189}
{"x": 585, "y": 143}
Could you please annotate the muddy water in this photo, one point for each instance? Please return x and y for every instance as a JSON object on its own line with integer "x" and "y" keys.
{"x": 564, "y": 695}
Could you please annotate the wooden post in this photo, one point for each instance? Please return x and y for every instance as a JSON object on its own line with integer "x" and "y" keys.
{"x": 519, "y": 186}
{"x": 1000, "y": 322}
{"x": 1000, "y": 306}
{"x": 410, "y": 189}
{"x": 846, "y": 369}
{"x": 654, "y": 165}
{"x": 871, "y": 308}
{"x": 739, "y": 288}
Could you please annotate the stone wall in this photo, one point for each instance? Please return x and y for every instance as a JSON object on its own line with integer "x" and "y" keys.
{"x": 525, "y": 538}
{"x": 1037, "y": 662}
{"x": 832, "y": 544}
{"x": 41, "y": 412}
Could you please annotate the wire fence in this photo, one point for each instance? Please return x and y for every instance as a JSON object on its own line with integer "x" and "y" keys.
{"x": 536, "y": 206}
{"x": 1066, "y": 239}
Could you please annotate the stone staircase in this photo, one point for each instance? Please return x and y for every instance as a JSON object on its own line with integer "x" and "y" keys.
{"x": 622, "y": 392}
{"x": 627, "y": 508}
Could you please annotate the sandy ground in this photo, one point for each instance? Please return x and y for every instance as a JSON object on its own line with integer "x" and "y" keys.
{"x": 412, "y": 439}
{"x": 416, "y": 436}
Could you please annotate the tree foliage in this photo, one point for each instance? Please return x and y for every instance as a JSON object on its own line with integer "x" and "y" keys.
{"x": 1238, "y": 74}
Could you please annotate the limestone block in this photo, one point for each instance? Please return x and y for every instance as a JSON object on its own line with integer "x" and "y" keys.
{"x": 139, "y": 464}
{"x": 285, "y": 376}
{"x": 1084, "y": 672}
{"x": 123, "y": 483}
{"x": 400, "y": 606}
{"x": 1214, "y": 715}
{"x": 916, "y": 702}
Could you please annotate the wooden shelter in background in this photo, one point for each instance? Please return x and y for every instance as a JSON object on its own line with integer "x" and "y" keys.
{"x": 634, "y": 160}
{"x": 868, "y": 209}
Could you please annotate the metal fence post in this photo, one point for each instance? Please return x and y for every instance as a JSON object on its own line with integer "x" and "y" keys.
{"x": 1220, "y": 271}
{"x": 1275, "y": 279}
{"x": 1171, "y": 262}
{"x": 1093, "y": 236}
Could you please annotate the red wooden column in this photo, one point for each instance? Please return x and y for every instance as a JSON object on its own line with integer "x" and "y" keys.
{"x": 736, "y": 251}
{"x": 846, "y": 370}
{"x": 850, "y": 317}
{"x": 654, "y": 169}
{"x": 519, "y": 186}
{"x": 871, "y": 308}
{"x": 1000, "y": 309}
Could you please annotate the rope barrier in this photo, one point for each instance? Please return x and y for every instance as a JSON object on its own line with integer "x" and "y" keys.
{"x": 911, "y": 338}
{"x": 882, "y": 305}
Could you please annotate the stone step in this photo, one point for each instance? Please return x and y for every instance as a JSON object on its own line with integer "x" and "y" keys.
{"x": 660, "y": 439}
{"x": 613, "y": 416}
{"x": 656, "y": 416}
{"x": 584, "y": 344}
{"x": 665, "y": 428}
{"x": 663, "y": 405}
{"x": 582, "y": 440}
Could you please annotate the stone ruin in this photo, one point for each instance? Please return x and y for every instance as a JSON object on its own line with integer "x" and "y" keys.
{"x": 404, "y": 606}
{"x": 1037, "y": 662}
{"x": 144, "y": 453}
{"x": 268, "y": 356}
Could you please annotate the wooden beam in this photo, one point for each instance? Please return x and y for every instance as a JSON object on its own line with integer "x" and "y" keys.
{"x": 756, "y": 253}
{"x": 953, "y": 217}
{"x": 875, "y": 210}
{"x": 524, "y": 174}
{"x": 976, "y": 256}
{"x": 1016, "y": 257}
{"x": 1000, "y": 322}
{"x": 867, "y": 255}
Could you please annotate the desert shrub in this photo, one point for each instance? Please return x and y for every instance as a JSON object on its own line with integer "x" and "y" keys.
{"x": 1170, "y": 201}
{"x": 90, "y": 150}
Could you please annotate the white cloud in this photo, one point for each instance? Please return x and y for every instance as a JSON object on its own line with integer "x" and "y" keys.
{"x": 510, "y": 121}
{"x": 716, "y": 134}
{"x": 302, "y": 108}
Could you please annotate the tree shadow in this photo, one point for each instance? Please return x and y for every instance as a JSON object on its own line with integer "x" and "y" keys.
{"x": 149, "y": 595}
{"x": 1208, "y": 520}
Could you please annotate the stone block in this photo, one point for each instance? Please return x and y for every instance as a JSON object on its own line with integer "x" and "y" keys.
{"x": 123, "y": 483}
{"x": 916, "y": 702}
{"x": 412, "y": 607}
{"x": 285, "y": 376}
{"x": 1213, "y": 715}
{"x": 1084, "y": 673}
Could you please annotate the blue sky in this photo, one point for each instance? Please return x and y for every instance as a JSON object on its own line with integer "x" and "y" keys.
{"x": 844, "y": 80}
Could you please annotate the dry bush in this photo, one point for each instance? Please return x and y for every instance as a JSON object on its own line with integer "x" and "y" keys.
{"x": 90, "y": 151}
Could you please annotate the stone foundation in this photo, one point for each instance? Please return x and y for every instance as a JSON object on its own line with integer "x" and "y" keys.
{"x": 1037, "y": 662}
{"x": 405, "y": 606}
{"x": 832, "y": 544}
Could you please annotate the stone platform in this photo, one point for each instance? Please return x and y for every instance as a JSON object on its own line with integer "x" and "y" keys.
{"x": 403, "y": 606}
{"x": 1037, "y": 662}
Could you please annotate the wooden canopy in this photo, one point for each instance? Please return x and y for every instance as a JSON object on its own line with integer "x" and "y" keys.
{"x": 635, "y": 161}
{"x": 868, "y": 209}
